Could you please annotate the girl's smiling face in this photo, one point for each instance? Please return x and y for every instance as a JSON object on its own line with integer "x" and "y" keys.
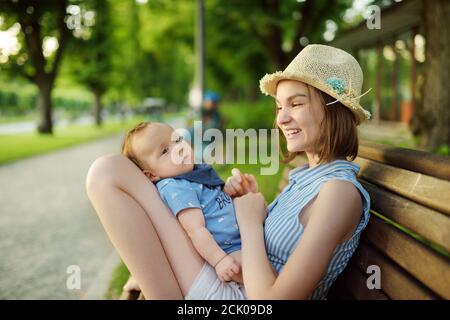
{"x": 299, "y": 115}
{"x": 163, "y": 152}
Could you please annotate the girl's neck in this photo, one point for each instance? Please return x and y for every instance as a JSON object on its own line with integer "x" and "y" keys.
{"x": 313, "y": 159}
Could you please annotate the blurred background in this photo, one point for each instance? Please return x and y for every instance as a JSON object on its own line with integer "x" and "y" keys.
{"x": 75, "y": 75}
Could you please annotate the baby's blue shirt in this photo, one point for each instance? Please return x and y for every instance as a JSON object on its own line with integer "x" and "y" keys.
{"x": 216, "y": 205}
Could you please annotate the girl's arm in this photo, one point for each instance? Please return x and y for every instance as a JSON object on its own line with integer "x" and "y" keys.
{"x": 327, "y": 226}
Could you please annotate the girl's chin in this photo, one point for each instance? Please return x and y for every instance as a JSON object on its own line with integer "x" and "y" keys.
{"x": 295, "y": 148}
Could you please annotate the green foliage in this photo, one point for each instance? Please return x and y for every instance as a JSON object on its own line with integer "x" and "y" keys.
{"x": 22, "y": 12}
{"x": 14, "y": 102}
{"x": 246, "y": 115}
{"x": 136, "y": 50}
{"x": 443, "y": 150}
{"x": 90, "y": 59}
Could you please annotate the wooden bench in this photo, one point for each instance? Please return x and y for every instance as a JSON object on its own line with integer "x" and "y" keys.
{"x": 408, "y": 236}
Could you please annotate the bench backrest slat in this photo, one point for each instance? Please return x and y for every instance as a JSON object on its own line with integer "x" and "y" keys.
{"x": 430, "y": 224}
{"x": 427, "y": 266}
{"x": 432, "y": 165}
{"x": 395, "y": 282}
{"x": 352, "y": 285}
{"x": 429, "y": 191}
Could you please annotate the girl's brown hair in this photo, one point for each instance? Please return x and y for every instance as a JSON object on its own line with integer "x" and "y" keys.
{"x": 338, "y": 136}
{"x": 127, "y": 146}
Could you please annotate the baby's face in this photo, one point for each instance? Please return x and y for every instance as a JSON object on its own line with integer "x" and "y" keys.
{"x": 163, "y": 152}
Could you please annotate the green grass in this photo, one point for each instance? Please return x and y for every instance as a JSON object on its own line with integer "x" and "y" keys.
{"x": 13, "y": 119}
{"x": 118, "y": 279}
{"x": 20, "y": 146}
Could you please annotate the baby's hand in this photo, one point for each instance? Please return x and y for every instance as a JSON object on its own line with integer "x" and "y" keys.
{"x": 227, "y": 268}
{"x": 239, "y": 184}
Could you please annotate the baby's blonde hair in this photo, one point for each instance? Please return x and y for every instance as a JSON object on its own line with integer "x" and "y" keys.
{"x": 127, "y": 146}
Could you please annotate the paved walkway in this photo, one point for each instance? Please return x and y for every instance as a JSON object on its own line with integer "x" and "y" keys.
{"x": 47, "y": 224}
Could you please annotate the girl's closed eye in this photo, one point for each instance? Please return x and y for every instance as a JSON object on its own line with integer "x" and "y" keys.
{"x": 297, "y": 104}
{"x": 293, "y": 105}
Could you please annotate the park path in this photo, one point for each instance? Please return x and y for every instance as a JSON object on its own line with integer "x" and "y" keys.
{"x": 47, "y": 224}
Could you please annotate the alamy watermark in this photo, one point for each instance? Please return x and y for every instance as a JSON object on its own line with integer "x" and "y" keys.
{"x": 374, "y": 280}
{"x": 373, "y": 17}
{"x": 73, "y": 281}
{"x": 235, "y": 147}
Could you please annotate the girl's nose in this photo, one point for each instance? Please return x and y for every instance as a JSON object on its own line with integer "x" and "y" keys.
{"x": 283, "y": 116}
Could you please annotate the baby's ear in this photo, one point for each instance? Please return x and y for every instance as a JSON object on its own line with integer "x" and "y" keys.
{"x": 151, "y": 176}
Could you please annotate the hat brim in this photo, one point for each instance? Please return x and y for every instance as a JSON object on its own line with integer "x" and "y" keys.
{"x": 268, "y": 86}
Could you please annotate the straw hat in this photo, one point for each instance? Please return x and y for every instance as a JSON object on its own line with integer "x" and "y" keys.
{"x": 328, "y": 69}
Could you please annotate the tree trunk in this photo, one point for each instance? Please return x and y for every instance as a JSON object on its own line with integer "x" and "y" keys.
{"x": 98, "y": 106}
{"x": 436, "y": 102}
{"x": 44, "y": 105}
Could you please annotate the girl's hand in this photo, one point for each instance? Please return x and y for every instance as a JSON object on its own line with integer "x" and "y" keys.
{"x": 239, "y": 184}
{"x": 250, "y": 209}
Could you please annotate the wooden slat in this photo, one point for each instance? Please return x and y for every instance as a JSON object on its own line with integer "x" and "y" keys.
{"x": 397, "y": 19}
{"x": 353, "y": 282}
{"x": 419, "y": 161}
{"x": 424, "y": 264}
{"x": 395, "y": 282}
{"x": 428, "y": 223}
{"x": 428, "y": 191}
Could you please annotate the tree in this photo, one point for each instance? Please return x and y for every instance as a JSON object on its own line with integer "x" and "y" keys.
{"x": 285, "y": 27}
{"x": 37, "y": 19}
{"x": 90, "y": 59}
{"x": 435, "y": 115}
{"x": 152, "y": 50}
{"x": 246, "y": 39}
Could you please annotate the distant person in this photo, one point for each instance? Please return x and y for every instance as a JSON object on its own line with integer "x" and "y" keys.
{"x": 211, "y": 117}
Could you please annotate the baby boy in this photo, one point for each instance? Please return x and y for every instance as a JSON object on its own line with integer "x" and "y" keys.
{"x": 194, "y": 194}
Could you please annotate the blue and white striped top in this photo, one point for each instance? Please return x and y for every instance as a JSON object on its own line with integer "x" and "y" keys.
{"x": 283, "y": 230}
